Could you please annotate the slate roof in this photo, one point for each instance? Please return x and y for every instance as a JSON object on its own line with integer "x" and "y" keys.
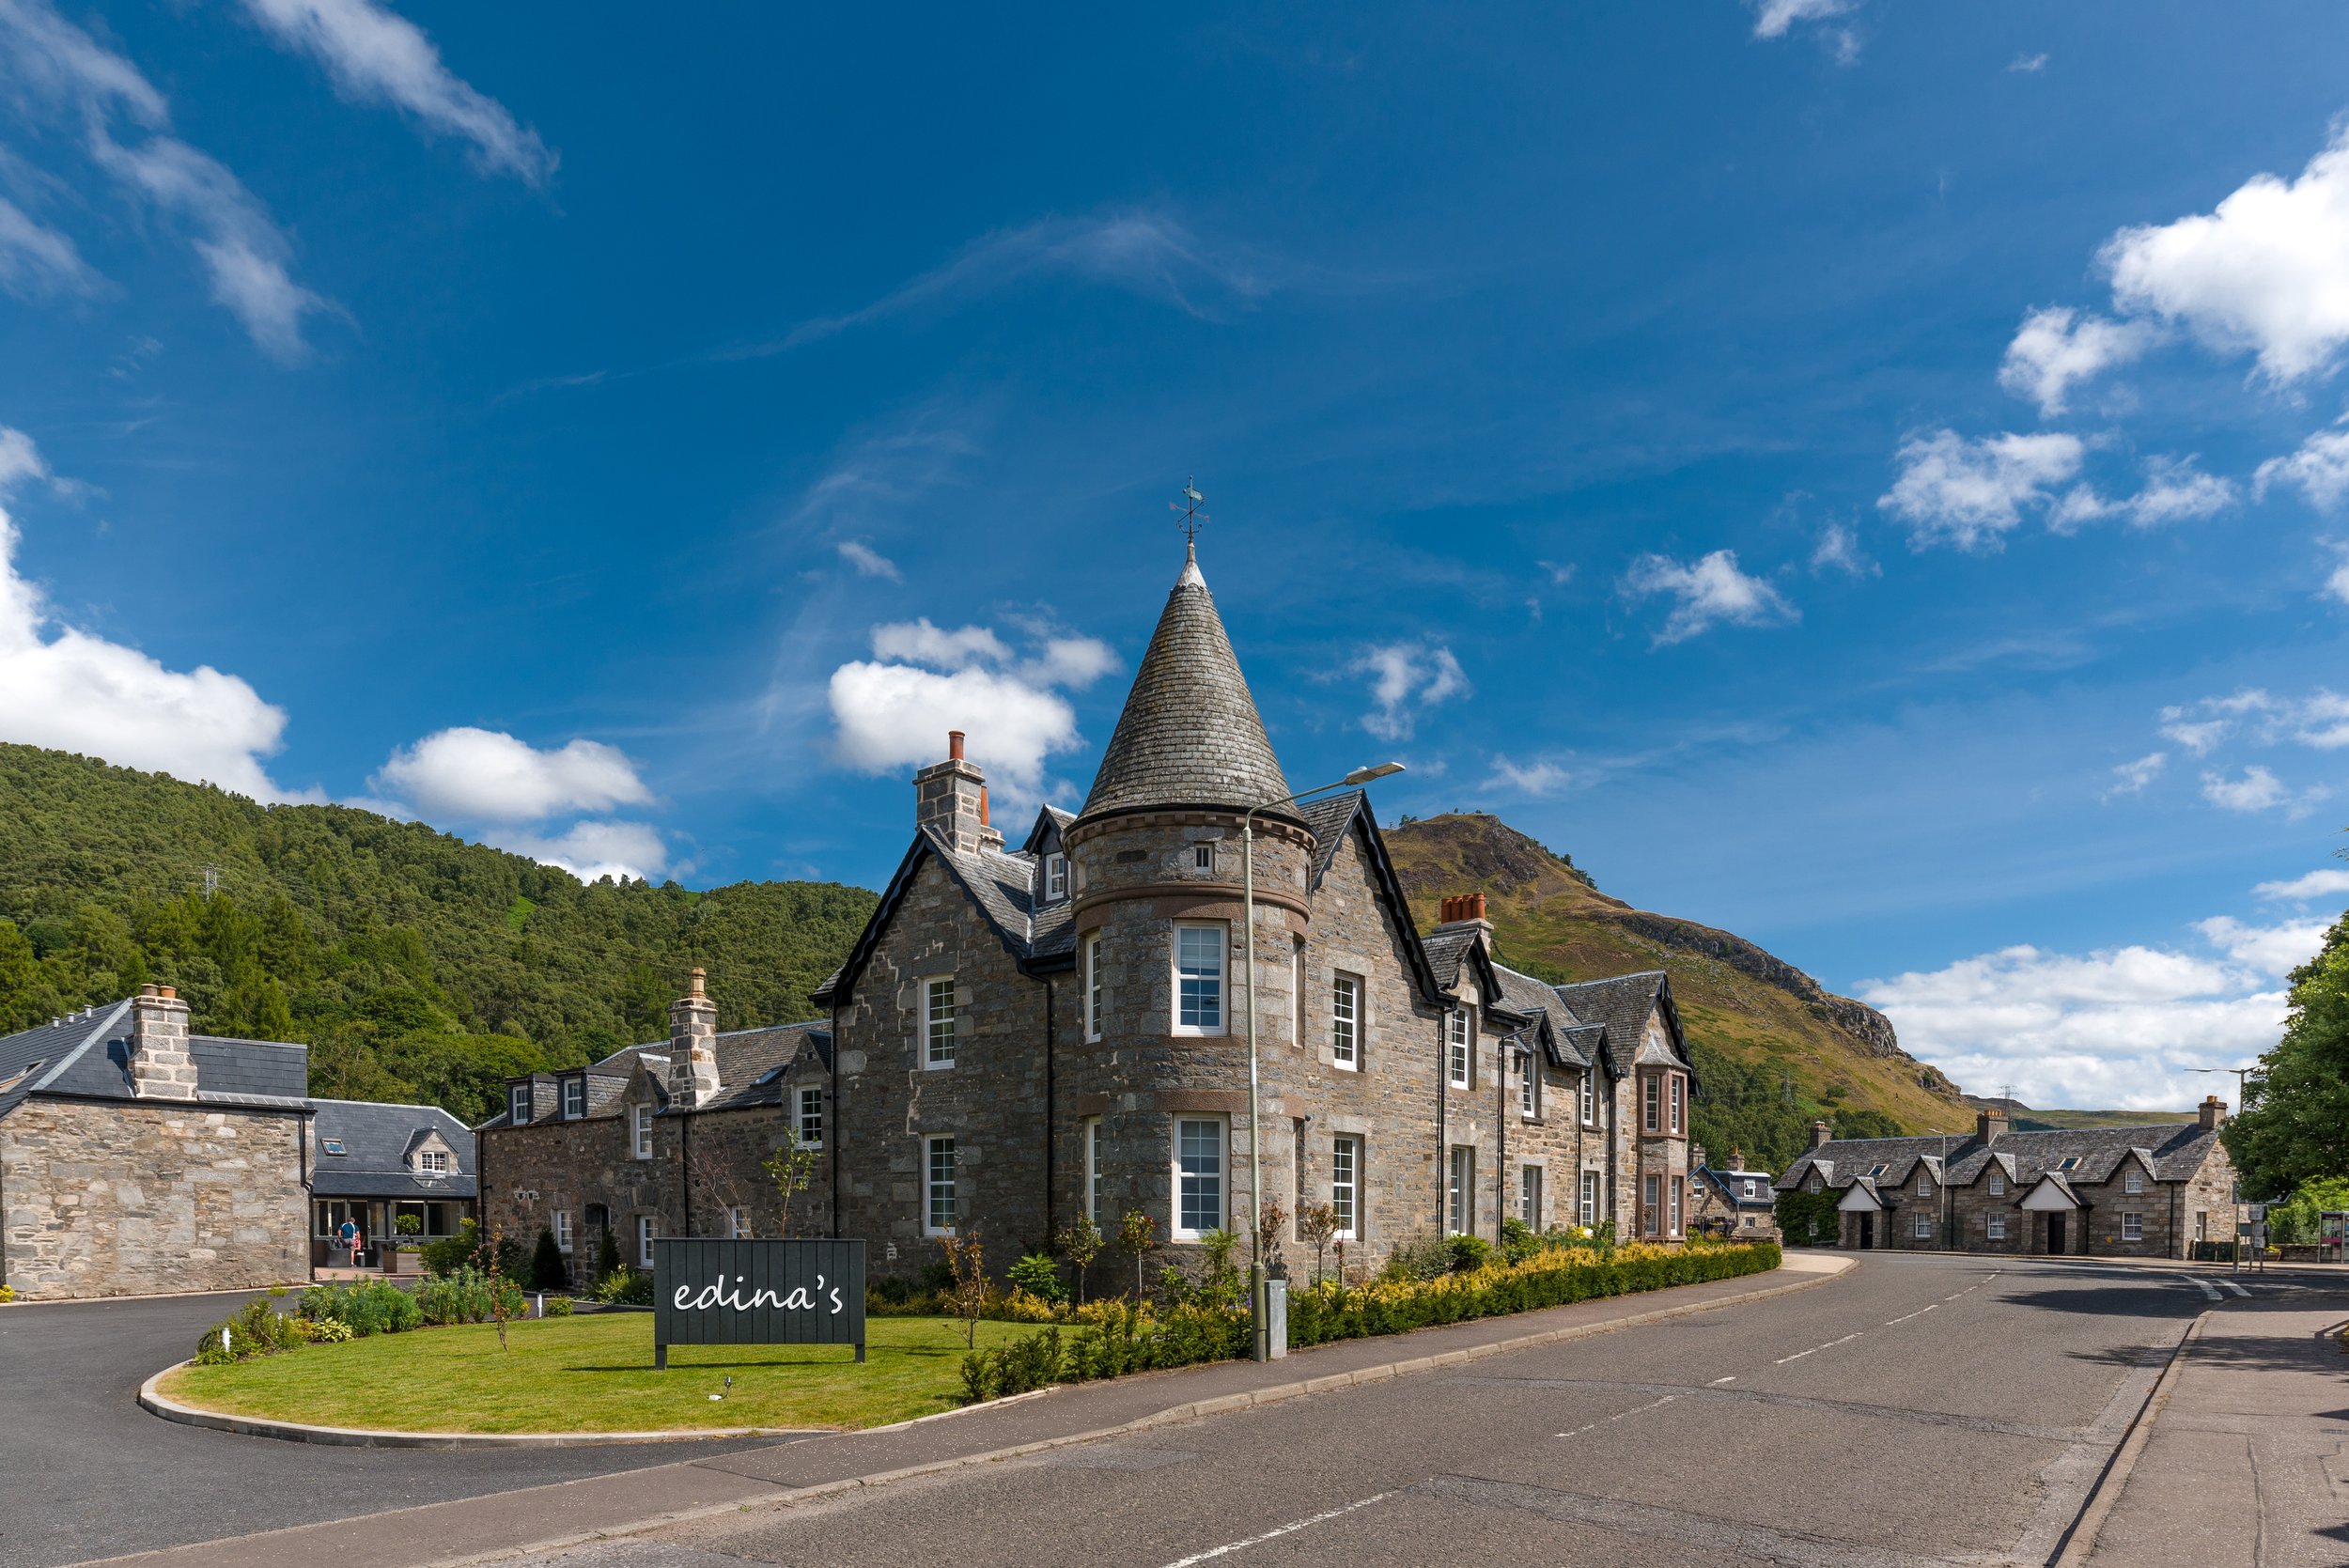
{"x": 2176, "y": 1151}
{"x": 751, "y": 1064}
{"x": 1732, "y": 1184}
{"x": 1571, "y": 1043}
{"x": 1447, "y": 948}
{"x": 1038, "y": 934}
{"x": 377, "y": 1141}
{"x": 1190, "y": 734}
{"x": 89, "y": 1053}
{"x": 1620, "y": 1004}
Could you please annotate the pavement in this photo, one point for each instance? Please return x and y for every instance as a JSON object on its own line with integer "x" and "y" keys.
{"x": 85, "y": 1472}
{"x": 2247, "y": 1462}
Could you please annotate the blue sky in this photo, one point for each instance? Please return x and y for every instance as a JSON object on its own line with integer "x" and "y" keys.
{"x": 1863, "y": 476}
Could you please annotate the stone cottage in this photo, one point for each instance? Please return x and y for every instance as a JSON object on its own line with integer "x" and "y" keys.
{"x": 403, "y": 1173}
{"x": 1023, "y": 1037}
{"x": 2131, "y": 1191}
{"x": 1733, "y": 1201}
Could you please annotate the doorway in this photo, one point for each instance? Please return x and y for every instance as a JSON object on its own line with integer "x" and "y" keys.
{"x": 1867, "y": 1232}
{"x": 2055, "y": 1235}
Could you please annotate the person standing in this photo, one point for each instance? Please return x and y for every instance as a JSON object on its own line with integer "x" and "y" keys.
{"x": 348, "y": 1234}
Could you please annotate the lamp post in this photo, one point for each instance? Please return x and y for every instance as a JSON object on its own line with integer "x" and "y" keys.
{"x": 2235, "y": 1192}
{"x": 1256, "y": 1135}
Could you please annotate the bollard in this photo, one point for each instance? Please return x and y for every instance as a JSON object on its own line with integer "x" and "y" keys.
{"x": 1276, "y": 1318}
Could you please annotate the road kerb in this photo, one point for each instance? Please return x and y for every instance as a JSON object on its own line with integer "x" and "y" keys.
{"x": 2080, "y": 1542}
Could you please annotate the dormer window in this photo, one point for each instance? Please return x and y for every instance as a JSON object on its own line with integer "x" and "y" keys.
{"x": 331, "y": 1146}
{"x": 518, "y": 1104}
{"x": 1055, "y": 876}
{"x": 574, "y": 1098}
{"x": 433, "y": 1161}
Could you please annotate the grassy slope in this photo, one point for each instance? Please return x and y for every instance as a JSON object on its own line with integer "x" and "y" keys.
{"x": 1547, "y": 919}
{"x": 593, "y": 1373}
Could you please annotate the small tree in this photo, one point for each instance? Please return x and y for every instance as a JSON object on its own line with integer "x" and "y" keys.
{"x": 1137, "y": 1233}
{"x": 1317, "y": 1227}
{"x": 497, "y": 1283}
{"x": 1272, "y": 1224}
{"x": 607, "y": 1256}
{"x": 793, "y": 1171}
{"x": 548, "y": 1270}
{"x": 1080, "y": 1243}
{"x": 966, "y": 1258}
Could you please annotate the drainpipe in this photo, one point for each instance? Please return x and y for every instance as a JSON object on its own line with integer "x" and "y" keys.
{"x": 685, "y": 1167}
{"x": 1443, "y": 1115}
{"x": 832, "y": 1129}
{"x": 1051, "y": 1111}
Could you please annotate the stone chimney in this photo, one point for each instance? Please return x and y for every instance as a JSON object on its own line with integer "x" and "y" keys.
{"x": 1989, "y": 1124}
{"x": 2213, "y": 1112}
{"x": 1464, "y": 909}
{"x": 160, "y": 1067}
{"x": 951, "y": 798}
{"x": 692, "y": 1045}
{"x": 1819, "y": 1134}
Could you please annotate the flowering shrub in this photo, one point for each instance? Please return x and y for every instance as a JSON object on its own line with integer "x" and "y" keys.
{"x": 1550, "y": 1277}
{"x": 467, "y": 1295}
{"x": 625, "y": 1287}
{"x": 372, "y": 1307}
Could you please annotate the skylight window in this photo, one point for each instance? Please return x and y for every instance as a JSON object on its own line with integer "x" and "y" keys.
{"x": 1875, "y": 1171}
{"x": 2069, "y": 1163}
{"x": 333, "y": 1146}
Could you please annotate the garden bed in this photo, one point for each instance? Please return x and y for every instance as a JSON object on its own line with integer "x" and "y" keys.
{"x": 591, "y": 1374}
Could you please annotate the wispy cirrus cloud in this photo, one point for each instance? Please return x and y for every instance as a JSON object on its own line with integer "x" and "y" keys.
{"x": 38, "y": 262}
{"x": 374, "y": 55}
{"x": 1406, "y": 678}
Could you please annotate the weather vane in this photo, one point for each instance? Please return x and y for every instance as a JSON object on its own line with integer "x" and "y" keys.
{"x": 1188, "y": 507}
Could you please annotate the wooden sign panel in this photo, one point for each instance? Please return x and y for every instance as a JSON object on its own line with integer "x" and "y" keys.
{"x": 715, "y": 1291}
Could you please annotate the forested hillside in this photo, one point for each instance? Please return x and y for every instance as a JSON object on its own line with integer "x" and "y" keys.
{"x": 417, "y": 966}
{"x": 1773, "y": 1050}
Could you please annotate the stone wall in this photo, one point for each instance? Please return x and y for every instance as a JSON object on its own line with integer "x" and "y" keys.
{"x": 131, "y": 1198}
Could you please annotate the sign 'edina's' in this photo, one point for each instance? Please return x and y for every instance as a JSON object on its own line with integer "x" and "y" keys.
{"x": 714, "y": 1291}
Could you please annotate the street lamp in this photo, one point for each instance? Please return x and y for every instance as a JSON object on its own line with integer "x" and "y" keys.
{"x": 2234, "y": 1195}
{"x": 1256, "y": 1136}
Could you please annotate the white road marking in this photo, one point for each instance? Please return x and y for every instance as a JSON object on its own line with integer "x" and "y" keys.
{"x": 1919, "y": 1312}
{"x": 2208, "y": 1289}
{"x": 1719, "y": 1381}
{"x": 1593, "y": 1427}
{"x": 1976, "y": 1285}
{"x": 1215, "y": 1552}
{"x": 1816, "y": 1349}
{"x": 2232, "y": 1286}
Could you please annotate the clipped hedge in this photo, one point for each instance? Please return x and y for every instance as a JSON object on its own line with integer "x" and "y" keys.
{"x": 1329, "y": 1311}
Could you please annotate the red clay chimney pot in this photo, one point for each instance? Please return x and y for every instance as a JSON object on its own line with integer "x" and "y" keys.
{"x": 954, "y": 745}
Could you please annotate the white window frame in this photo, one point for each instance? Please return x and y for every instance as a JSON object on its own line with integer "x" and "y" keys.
{"x": 574, "y": 1098}
{"x": 1346, "y": 1022}
{"x": 1998, "y": 1183}
{"x": 1459, "y": 1048}
{"x": 1679, "y": 1102}
{"x": 1203, "y": 856}
{"x": 2132, "y": 1179}
{"x": 563, "y": 1230}
{"x": 1651, "y": 1102}
{"x": 934, "y": 1190}
{"x": 1994, "y": 1227}
{"x": 738, "y": 1224}
{"x": 810, "y": 1107}
{"x": 640, "y": 1131}
{"x": 518, "y": 1105}
{"x": 1586, "y": 1199}
{"x": 1589, "y": 1095}
{"x": 1296, "y": 992}
{"x": 1750, "y": 1185}
{"x": 1459, "y": 1209}
{"x": 1925, "y": 1183}
{"x": 1346, "y": 1185}
{"x": 2132, "y": 1226}
{"x": 1530, "y": 1196}
{"x": 1055, "y": 876}
{"x": 1093, "y": 1168}
{"x": 1220, "y": 935}
{"x": 1922, "y": 1229}
{"x": 1187, "y": 1183}
{"x": 1651, "y": 1204}
{"x": 1679, "y": 1202}
{"x": 941, "y": 1029}
{"x": 1092, "y": 986}
{"x": 644, "y": 1240}
{"x": 1529, "y": 1090}
{"x": 1817, "y": 1183}
{"x": 435, "y": 1160}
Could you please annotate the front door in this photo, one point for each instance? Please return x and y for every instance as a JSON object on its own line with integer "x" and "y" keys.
{"x": 2055, "y": 1234}
{"x": 1867, "y": 1232}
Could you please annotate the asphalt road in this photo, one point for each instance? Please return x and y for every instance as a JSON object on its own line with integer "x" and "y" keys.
{"x": 85, "y": 1472}
{"x": 1923, "y": 1409}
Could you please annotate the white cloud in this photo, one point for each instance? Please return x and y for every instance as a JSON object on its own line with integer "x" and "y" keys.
{"x": 1711, "y": 591}
{"x": 2319, "y": 720}
{"x": 373, "y": 53}
{"x": 894, "y": 710}
{"x": 1775, "y": 19}
{"x": 1146, "y": 254}
{"x": 58, "y": 67}
{"x": 1560, "y": 573}
{"x": 2266, "y": 270}
{"x": 2117, "y": 1029}
{"x": 2132, "y": 777}
{"x": 1404, "y": 676}
{"x": 2315, "y": 884}
{"x": 1950, "y": 490}
{"x": 37, "y": 261}
{"x": 2175, "y": 491}
{"x": 1838, "y": 550}
{"x": 2337, "y": 580}
{"x": 477, "y": 775}
{"x": 2258, "y": 790}
{"x": 1539, "y": 778}
{"x": 75, "y": 692}
{"x": 2275, "y": 951}
{"x": 2028, "y": 65}
{"x": 869, "y": 562}
{"x": 2056, "y": 347}
{"x": 2319, "y": 468}
{"x": 592, "y": 850}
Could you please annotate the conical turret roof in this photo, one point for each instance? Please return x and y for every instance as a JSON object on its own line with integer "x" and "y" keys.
{"x": 1190, "y": 734}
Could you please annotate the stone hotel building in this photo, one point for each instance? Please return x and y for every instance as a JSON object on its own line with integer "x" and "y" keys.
{"x": 1024, "y": 1035}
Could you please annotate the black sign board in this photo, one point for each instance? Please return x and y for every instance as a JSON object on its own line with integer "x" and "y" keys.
{"x": 710, "y": 1291}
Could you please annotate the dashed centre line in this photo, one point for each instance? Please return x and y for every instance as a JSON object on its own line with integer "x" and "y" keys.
{"x": 1592, "y": 1427}
{"x": 1905, "y": 1316}
{"x": 1719, "y": 1381}
{"x": 1275, "y": 1533}
{"x": 1817, "y": 1348}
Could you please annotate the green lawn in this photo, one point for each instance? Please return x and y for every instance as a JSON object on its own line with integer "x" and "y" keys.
{"x": 593, "y": 1373}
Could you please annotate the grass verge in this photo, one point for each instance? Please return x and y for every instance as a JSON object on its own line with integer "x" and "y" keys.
{"x": 592, "y": 1374}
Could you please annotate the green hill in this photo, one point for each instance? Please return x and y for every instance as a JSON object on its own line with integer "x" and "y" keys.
{"x": 1774, "y": 1051}
{"x": 418, "y": 966}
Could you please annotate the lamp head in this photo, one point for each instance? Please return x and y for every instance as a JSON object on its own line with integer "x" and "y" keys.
{"x": 1364, "y": 775}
